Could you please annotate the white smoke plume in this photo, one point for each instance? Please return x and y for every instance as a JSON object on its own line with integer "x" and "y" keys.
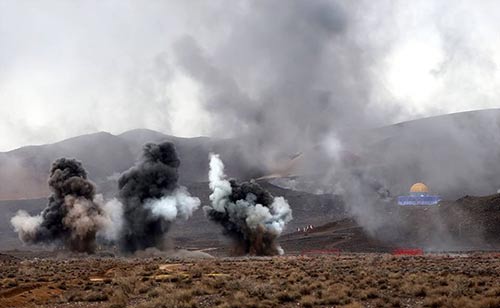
{"x": 178, "y": 205}
{"x": 26, "y": 225}
{"x": 221, "y": 188}
{"x": 248, "y": 213}
{"x": 112, "y": 221}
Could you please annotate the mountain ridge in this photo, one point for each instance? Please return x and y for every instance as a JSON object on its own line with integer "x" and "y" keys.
{"x": 454, "y": 154}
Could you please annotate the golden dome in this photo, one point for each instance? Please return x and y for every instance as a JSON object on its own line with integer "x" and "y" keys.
{"x": 419, "y": 188}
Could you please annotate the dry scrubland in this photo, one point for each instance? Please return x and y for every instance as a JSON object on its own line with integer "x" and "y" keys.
{"x": 357, "y": 280}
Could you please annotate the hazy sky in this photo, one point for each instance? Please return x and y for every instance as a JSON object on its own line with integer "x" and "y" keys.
{"x": 75, "y": 67}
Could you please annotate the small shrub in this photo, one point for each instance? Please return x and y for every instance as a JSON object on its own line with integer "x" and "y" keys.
{"x": 96, "y": 297}
{"x": 285, "y": 297}
{"x": 308, "y": 301}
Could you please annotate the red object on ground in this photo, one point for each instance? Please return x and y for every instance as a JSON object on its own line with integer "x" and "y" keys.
{"x": 408, "y": 252}
{"x": 334, "y": 251}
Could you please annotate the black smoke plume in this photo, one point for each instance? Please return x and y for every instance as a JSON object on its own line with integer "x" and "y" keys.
{"x": 71, "y": 217}
{"x": 249, "y": 214}
{"x": 152, "y": 199}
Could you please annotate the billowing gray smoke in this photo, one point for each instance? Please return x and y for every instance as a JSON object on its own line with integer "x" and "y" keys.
{"x": 311, "y": 77}
{"x": 306, "y": 77}
{"x": 287, "y": 77}
{"x": 249, "y": 214}
{"x": 290, "y": 78}
{"x": 71, "y": 217}
{"x": 152, "y": 199}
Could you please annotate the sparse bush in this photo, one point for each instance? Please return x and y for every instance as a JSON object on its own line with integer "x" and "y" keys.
{"x": 118, "y": 299}
{"x": 259, "y": 290}
{"x": 75, "y": 296}
{"x": 434, "y": 302}
{"x": 353, "y": 305}
{"x": 10, "y": 283}
{"x": 488, "y": 303}
{"x": 96, "y": 297}
{"x": 308, "y": 301}
{"x": 420, "y": 291}
{"x": 154, "y": 293}
{"x": 287, "y": 296}
{"x": 349, "y": 280}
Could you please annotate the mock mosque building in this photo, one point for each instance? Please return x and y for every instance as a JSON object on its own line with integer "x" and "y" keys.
{"x": 419, "y": 189}
{"x": 419, "y": 195}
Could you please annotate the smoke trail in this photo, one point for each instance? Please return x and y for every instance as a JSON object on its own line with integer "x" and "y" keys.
{"x": 152, "y": 199}
{"x": 71, "y": 217}
{"x": 248, "y": 213}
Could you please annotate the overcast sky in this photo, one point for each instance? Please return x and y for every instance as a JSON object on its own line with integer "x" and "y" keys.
{"x": 75, "y": 67}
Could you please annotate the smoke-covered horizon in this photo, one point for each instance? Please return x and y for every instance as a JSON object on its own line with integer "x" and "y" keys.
{"x": 217, "y": 65}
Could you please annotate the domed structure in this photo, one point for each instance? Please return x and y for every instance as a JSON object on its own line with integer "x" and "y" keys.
{"x": 419, "y": 195}
{"x": 419, "y": 188}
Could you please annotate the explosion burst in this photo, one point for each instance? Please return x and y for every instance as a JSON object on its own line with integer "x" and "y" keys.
{"x": 71, "y": 218}
{"x": 249, "y": 214}
{"x": 152, "y": 199}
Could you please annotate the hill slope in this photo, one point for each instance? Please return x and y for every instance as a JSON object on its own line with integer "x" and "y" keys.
{"x": 455, "y": 155}
{"x": 23, "y": 172}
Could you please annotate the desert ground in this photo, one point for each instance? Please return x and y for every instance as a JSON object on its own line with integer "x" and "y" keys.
{"x": 343, "y": 280}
